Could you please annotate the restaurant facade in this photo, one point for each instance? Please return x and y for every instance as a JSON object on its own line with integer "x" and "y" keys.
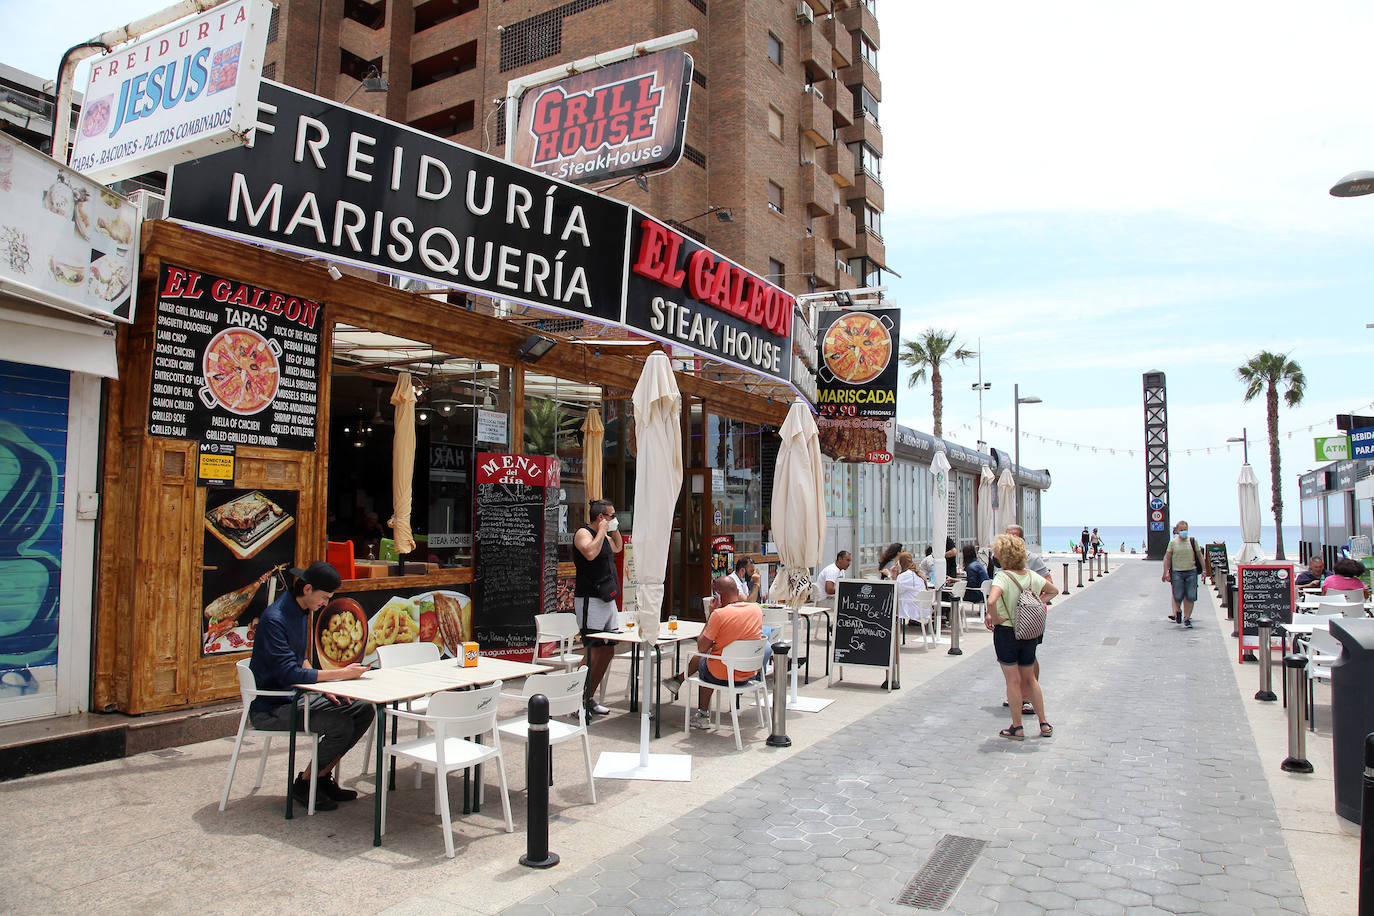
{"x": 1336, "y": 503}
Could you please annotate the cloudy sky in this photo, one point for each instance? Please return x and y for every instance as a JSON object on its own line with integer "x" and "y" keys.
{"x": 1094, "y": 190}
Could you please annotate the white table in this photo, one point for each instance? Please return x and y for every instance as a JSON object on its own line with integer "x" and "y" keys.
{"x": 806, "y": 612}
{"x": 686, "y": 629}
{"x": 1312, "y": 604}
{"x": 383, "y": 687}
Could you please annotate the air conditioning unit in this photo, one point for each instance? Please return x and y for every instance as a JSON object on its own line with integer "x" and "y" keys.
{"x": 804, "y": 13}
{"x": 150, "y": 205}
{"x": 813, "y": 88}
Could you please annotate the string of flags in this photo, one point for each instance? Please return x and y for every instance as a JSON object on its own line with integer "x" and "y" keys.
{"x": 1133, "y": 452}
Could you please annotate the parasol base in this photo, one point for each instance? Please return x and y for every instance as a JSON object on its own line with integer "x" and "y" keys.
{"x": 660, "y": 767}
{"x": 807, "y": 704}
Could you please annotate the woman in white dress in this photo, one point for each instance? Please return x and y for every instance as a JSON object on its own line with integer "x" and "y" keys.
{"x": 909, "y": 586}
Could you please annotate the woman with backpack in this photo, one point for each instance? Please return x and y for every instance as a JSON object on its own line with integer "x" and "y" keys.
{"x": 1016, "y": 616}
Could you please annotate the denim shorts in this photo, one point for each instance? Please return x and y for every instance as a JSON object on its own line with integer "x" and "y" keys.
{"x": 1185, "y": 584}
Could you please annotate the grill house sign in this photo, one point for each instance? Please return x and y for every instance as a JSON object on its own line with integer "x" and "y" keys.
{"x": 324, "y": 179}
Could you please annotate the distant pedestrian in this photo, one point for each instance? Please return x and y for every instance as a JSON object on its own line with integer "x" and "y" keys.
{"x": 1085, "y": 540}
{"x": 1016, "y": 656}
{"x": 1096, "y": 542}
{"x": 1182, "y": 564}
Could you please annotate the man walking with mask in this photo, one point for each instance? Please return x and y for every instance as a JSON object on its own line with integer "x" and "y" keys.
{"x": 1182, "y": 563}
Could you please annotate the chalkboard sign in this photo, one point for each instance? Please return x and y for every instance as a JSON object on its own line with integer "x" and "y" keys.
{"x": 865, "y": 622}
{"x": 1216, "y": 556}
{"x": 1266, "y": 590}
{"x": 515, "y": 518}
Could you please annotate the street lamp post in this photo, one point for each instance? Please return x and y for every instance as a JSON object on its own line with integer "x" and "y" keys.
{"x": 1244, "y": 441}
{"x": 980, "y": 387}
{"x": 1016, "y": 440}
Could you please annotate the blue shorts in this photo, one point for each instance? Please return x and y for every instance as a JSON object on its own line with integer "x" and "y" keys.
{"x": 1185, "y": 584}
{"x": 1013, "y": 651}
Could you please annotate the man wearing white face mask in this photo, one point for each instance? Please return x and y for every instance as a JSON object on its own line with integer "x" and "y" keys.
{"x": 1182, "y": 562}
{"x": 595, "y": 591}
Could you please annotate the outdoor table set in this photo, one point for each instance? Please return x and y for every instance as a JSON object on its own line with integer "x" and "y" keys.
{"x": 387, "y": 687}
{"x": 686, "y": 630}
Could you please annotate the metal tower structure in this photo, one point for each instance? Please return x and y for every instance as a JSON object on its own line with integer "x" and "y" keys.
{"x": 1156, "y": 466}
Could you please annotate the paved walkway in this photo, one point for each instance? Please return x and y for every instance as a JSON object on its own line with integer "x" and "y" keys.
{"x": 1149, "y": 798}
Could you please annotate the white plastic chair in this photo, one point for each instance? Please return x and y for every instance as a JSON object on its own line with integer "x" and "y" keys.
{"x": 1322, "y": 649}
{"x": 740, "y": 655}
{"x": 956, "y": 599}
{"x": 248, "y": 690}
{"x": 412, "y": 653}
{"x": 927, "y": 618}
{"x": 564, "y": 692}
{"x": 558, "y": 629}
{"x": 455, "y": 719}
{"x": 1353, "y": 596}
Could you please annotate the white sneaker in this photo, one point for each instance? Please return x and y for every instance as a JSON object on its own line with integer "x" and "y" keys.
{"x": 701, "y": 719}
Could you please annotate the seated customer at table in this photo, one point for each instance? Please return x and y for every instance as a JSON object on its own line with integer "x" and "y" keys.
{"x": 1313, "y": 576}
{"x": 731, "y": 620}
{"x": 909, "y": 586}
{"x": 1345, "y": 577}
{"x": 975, "y": 574}
{"x": 280, "y": 659}
{"x": 746, "y": 579}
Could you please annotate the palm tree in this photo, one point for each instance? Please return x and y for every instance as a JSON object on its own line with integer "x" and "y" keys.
{"x": 1265, "y": 372}
{"x": 928, "y": 352}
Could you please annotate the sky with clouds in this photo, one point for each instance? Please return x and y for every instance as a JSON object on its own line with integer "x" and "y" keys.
{"x": 1086, "y": 191}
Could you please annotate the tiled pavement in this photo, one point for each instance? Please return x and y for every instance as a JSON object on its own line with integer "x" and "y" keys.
{"x": 1148, "y": 799}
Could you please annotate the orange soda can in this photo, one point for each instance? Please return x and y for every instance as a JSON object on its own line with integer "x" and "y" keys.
{"x": 469, "y": 655}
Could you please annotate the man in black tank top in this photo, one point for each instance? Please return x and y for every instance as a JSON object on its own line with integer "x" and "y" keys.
{"x": 596, "y": 589}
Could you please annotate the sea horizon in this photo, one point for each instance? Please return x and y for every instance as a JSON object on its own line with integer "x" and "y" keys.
{"x": 1060, "y": 537}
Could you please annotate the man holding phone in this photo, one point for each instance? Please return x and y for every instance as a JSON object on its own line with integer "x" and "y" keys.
{"x": 595, "y": 591}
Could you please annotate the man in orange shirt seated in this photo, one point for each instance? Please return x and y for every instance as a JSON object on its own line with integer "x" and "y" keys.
{"x": 730, "y": 620}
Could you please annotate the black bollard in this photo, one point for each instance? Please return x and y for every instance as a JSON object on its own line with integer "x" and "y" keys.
{"x": 1080, "y": 573}
{"x": 1295, "y": 681}
{"x": 779, "y": 736}
{"x": 537, "y": 774}
{"x": 1266, "y": 660}
{"x": 1066, "y": 579}
{"x": 1367, "y": 831}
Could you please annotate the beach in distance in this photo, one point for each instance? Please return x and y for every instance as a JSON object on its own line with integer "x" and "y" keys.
{"x": 1058, "y": 537}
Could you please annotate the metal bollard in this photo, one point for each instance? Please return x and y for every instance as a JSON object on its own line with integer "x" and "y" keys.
{"x": 779, "y": 736}
{"x": 1090, "y": 569}
{"x": 537, "y": 774}
{"x": 1066, "y": 578}
{"x": 1294, "y": 671}
{"x": 1367, "y": 830}
{"x": 955, "y": 625}
{"x": 1266, "y": 660}
{"x": 1106, "y": 567}
{"x": 1080, "y": 573}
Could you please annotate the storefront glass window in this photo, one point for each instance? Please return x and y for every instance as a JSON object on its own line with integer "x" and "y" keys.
{"x": 555, "y": 413}
{"x": 734, "y": 450}
{"x": 1311, "y": 510}
{"x": 1337, "y": 532}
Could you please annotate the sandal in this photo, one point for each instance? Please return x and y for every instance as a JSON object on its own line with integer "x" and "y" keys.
{"x": 1027, "y": 709}
{"x": 1046, "y": 730}
{"x": 1014, "y": 732}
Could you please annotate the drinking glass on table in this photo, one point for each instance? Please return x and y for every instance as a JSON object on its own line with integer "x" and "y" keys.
{"x": 672, "y": 623}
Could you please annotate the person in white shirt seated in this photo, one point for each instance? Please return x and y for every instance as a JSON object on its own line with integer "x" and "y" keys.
{"x": 909, "y": 586}
{"x": 746, "y": 579}
{"x": 830, "y": 575}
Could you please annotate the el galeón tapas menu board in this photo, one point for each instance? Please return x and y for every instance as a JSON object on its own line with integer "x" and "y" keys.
{"x": 234, "y": 363}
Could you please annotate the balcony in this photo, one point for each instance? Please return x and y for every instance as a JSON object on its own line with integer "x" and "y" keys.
{"x": 869, "y": 245}
{"x": 818, "y": 189}
{"x": 867, "y": 187}
{"x": 864, "y": 129}
{"x": 861, "y": 19}
{"x": 817, "y": 122}
{"x": 441, "y": 95}
{"x": 838, "y": 163}
{"x": 814, "y": 49}
{"x": 839, "y": 227}
{"x": 841, "y": 43}
{"x": 862, "y": 73}
{"x": 841, "y": 99}
{"x": 818, "y": 258}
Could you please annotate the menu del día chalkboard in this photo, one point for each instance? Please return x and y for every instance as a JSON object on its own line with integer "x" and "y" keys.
{"x": 516, "y": 522}
{"x": 1216, "y": 556}
{"x": 234, "y": 363}
{"x": 865, "y": 622}
{"x": 1266, "y": 590}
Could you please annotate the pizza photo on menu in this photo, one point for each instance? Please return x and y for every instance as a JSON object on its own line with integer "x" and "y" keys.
{"x": 856, "y": 348}
{"x": 241, "y": 370}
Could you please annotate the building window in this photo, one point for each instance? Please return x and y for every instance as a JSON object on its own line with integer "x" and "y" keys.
{"x": 273, "y": 24}
{"x": 269, "y": 71}
{"x": 872, "y": 6}
{"x": 774, "y": 197}
{"x": 699, "y": 4}
{"x": 869, "y": 51}
{"x": 432, "y": 12}
{"x": 774, "y": 49}
{"x": 693, "y": 155}
{"x": 776, "y": 270}
{"x": 775, "y": 122}
{"x": 868, "y": 218}
{"x": 443, "y": 65}
{"x": 866, "y": 105}
{"x": 699, "y": 78}
{"x": 539, "y": 36}
{"x": 867, "y": 159}
{"x": 867, "y": 271}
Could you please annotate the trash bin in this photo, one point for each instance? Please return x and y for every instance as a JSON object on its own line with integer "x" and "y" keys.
{"x": 1352, "y": 709}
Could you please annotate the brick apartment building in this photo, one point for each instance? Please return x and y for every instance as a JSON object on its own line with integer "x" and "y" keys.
{"x": 783, "y": 128}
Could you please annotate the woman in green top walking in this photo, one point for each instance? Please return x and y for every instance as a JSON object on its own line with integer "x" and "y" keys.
{"x": 1016, "y": 656}
{"x": 1182, "y": 563}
